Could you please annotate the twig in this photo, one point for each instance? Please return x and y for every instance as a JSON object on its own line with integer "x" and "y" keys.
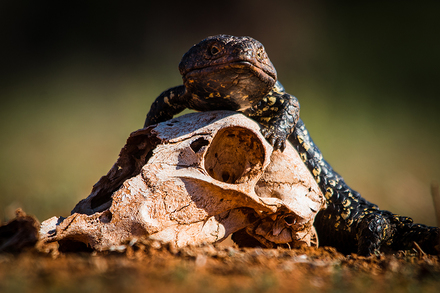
{"x": 420, "y": 252}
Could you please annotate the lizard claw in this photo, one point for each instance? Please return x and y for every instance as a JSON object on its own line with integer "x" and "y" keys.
{"x": 277, "y": 139}
{"x": 280, "y": 144}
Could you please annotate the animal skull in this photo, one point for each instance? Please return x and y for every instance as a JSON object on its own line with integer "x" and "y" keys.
{"x": 196, "y": 179}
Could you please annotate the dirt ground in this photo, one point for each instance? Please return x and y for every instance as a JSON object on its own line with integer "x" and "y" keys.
{"x": 146, "y": 266}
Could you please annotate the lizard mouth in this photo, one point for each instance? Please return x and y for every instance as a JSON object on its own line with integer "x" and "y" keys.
{"x": 253, "y": 67}
{"x": 263, "y": 74}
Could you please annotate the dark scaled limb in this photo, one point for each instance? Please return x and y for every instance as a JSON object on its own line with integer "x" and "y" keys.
{"x": 428, "y": 238}
{"x": 372, "y": 232}
{"x": 169, "y": 103}
{"x": 278, "y": 113}
{"x": 350, "y": 223}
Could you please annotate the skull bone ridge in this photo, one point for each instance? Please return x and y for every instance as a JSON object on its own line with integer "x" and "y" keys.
{"x": 197, "y": 179}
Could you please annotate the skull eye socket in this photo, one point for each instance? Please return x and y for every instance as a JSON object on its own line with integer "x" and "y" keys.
{"x": 234, "y": 156}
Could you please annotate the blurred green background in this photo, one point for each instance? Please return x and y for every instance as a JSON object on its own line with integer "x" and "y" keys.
{"x": 76, "y": 77}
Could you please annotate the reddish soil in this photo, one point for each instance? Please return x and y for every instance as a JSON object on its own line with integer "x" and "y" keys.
{"x": 145, "y": 266}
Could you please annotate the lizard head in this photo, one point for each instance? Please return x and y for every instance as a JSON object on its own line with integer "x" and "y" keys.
{"x": 231, "y": 70}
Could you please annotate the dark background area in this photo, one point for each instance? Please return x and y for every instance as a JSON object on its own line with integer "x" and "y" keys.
{"x": 76, "y": 77}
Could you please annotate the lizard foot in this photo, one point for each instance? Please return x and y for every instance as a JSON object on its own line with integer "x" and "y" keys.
{"x": 275, "y": 137}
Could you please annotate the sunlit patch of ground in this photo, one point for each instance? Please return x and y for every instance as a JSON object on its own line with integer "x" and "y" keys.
{"x": 142, "y": 268}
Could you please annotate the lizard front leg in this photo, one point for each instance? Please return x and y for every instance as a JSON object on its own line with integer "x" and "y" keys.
{"x": 278, "y": 113}
{"x": 169, "y": 103}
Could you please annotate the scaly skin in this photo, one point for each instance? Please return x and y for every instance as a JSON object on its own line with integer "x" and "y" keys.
{"x": 234, "y": 73}
{"x": 227, "y": 73}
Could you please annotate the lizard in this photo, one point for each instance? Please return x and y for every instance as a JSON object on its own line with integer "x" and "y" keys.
{"x": 225, "y": 72}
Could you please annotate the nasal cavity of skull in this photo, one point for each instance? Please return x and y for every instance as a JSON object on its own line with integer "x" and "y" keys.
{"x": 290, "y": 220}
{"x": 234, "y": 155}
{"x": 198, "y": 144}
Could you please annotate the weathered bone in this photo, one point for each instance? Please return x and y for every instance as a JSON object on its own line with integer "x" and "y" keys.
{"x": 195, "y": 179}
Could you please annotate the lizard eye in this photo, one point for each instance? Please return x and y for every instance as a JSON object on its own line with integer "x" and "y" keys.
{"x": 215, "y": 49}
{"x": 260, "y": 53}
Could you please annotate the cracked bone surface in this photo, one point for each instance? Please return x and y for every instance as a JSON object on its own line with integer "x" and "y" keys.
{"x": 196, "y": 179}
